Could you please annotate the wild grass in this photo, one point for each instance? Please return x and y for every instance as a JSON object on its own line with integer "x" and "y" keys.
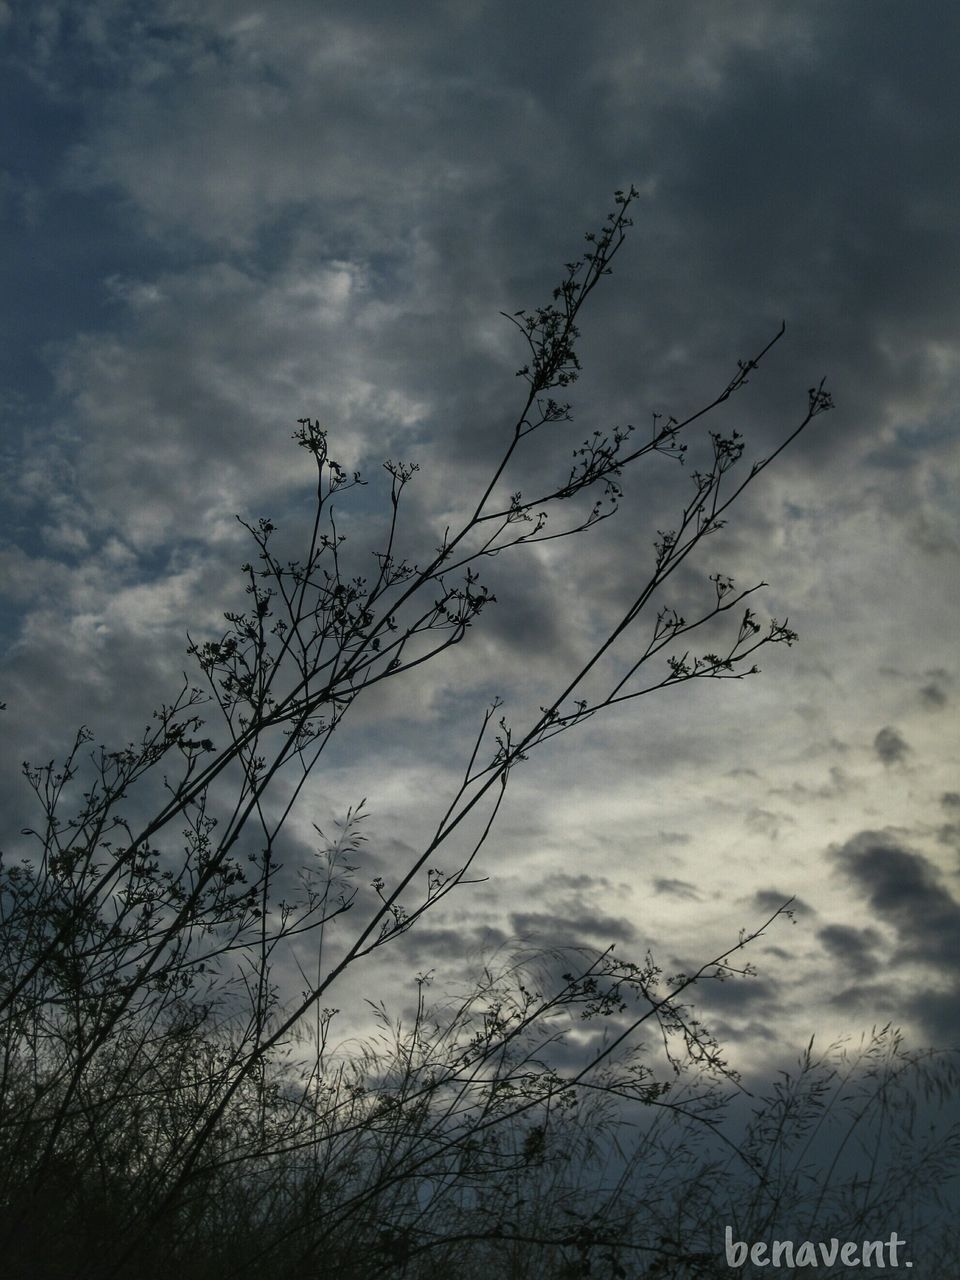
{"x": 463, "y": 1143}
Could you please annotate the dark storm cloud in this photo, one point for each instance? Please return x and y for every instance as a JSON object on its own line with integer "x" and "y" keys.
{"x": 741, "y": 170}
{"x": 939, "y": 1012}
{"x": 890, "y": 746}
{"x": 906, "y": 891}
{"x": 430, "y": 945}
{"x": 750, "y": 995}
{"x": 572, "y": 928}
{"x": 855, "y": 949}
{"x": 737, "y": 1008}
{"x": 251, "y": 138}
{"x": 873, "y": 1001}
{"x": 769, "y": 900}
{"x": 713, "y": 191}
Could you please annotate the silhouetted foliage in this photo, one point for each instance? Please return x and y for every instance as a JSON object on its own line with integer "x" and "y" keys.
{"x": 168, "y": 1108}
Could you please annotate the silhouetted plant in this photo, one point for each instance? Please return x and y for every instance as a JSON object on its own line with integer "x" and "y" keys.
{"x": 166, "y": 1107}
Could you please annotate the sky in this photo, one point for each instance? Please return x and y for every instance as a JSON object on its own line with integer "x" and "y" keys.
{"x": 220, "y": 218}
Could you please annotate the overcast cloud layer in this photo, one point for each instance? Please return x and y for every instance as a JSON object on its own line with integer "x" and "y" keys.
{"x": 219, "y": 218}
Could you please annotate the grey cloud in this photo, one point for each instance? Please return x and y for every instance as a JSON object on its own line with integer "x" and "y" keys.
{"x": 779, "y": 953}
{"x": 751, "y": 1032}
{"x": 933, "y": 696}
{"x": 739, "y": 1009}
{"x": 766, "y": 822}
{"x": 838, "y": 783}
{"x": 736, "y": 994}
{"x": 853, "y": 948}
{"x": 906, "y": 891}
{"x": 874, "y": 1000}
{"x": 865, "y": 264}
{"x": 573, "y": 928}
{"x": 890, "y": 746}
{"x": 429, "y": 945}
{"x": 768, "y": 900}
{"x": 939, "y": 1011}
{"x": 578, "y": 883}
{"x": 676, "y": 889}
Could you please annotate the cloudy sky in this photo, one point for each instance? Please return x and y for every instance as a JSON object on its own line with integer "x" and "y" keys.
{"x": 219, "y": 218}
